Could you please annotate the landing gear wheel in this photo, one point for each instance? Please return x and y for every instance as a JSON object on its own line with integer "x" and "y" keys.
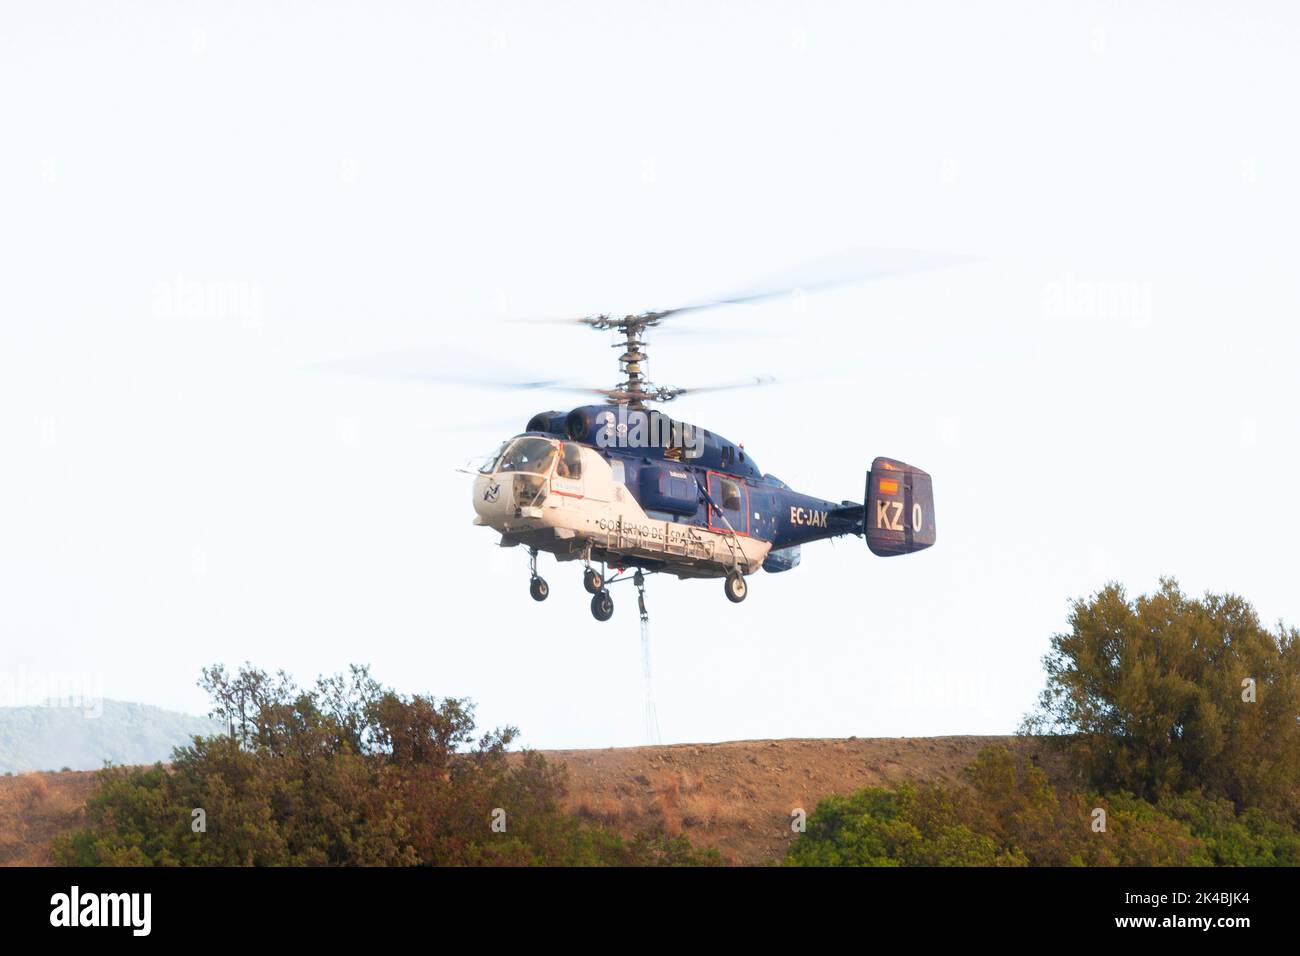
{"x": 735, "y": 587}
{"x": 602, "y": 606}
{"x": 538, "y": 588}
{"x": 592, "y": 581}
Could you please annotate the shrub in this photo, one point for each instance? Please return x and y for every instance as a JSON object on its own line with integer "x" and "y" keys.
{"x": 345, "y": 773}
{"x": 1146, "y": 696}
{"x": 901, "y": 827}
{"x": 1011, "y": 815}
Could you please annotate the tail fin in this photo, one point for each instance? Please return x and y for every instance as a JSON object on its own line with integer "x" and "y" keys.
{"x": 898, "y": 516}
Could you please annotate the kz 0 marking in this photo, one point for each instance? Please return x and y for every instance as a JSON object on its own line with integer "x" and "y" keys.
{"x": 899, "y": 508}
{"x": 889, "y": 516}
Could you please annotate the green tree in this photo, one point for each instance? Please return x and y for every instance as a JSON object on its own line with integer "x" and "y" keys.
{"x": 905, "y": 826}
{"x": 1009, "y": 814}
{"x": 345, "y": 773}
{"x": 1146, "y": 696}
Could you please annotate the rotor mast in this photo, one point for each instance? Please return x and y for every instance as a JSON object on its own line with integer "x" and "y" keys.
{"x": 632, "y": 365}
{"x": 635, "y": 389}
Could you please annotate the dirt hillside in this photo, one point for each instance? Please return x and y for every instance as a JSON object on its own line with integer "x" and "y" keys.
{"x": 737, "y": 796}
{"x": 34, "y": 807}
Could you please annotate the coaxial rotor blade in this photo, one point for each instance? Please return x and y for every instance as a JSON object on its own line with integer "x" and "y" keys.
{"x": 696, "y": 334}
{"x": 504, "y": 425}
{"x": 668, "y": 393}
{"x": 438, "y": 367}
{"x": 845, "y": 268}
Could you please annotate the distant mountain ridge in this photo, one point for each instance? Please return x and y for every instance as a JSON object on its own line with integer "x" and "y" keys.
{"x": 82, "y": 738}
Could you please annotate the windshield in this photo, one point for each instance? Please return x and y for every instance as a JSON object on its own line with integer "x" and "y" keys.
{"x": 491, "y": 464}
{"x": 532, "y": 456}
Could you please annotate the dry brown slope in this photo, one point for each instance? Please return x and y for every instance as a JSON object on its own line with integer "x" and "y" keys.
{"x": 737, "y": 796}
{"x": 34, "y": 808}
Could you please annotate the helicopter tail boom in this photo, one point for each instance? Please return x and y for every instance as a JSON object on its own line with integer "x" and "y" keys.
{"x": 898, "y": 517}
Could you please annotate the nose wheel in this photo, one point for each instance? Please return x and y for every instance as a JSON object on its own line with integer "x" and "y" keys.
{"x": 736, "y": 587}
{"x": 592, "y": 581}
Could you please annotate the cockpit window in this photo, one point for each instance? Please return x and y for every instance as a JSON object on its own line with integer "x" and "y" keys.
{"x": 491, "y": 464}
{"x": 532, "y": 456}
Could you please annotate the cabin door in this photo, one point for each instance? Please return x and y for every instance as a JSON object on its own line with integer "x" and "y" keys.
{"x": 732, "y": 497}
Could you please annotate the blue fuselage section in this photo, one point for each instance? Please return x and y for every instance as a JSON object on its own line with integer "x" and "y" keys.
{"x": 707, "y": 482}
{"x": 765, "y": 507}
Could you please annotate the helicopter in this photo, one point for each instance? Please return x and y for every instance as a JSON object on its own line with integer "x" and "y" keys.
{"x": 620, "y": 485}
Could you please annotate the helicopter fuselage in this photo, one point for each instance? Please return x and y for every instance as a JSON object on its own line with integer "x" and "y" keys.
{"x": 621, "y": 485}
{"x": 696, "y": 505}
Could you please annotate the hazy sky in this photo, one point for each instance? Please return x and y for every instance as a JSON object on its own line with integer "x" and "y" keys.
{"x": 199, "y": 201}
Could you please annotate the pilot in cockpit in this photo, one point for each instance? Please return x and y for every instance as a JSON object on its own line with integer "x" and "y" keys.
{"x": 570, "y": 463}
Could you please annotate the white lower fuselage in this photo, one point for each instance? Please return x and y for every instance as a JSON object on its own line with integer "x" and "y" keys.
{"x": 595, "y": 517}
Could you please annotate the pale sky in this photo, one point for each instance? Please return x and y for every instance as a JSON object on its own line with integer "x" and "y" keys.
{"x": 200, "y": 201}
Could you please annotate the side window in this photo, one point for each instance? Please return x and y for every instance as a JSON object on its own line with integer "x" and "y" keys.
{"x": 570, "y": 465}
{"x": 726, "y": 456}
{"x": 730, "y": 495}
